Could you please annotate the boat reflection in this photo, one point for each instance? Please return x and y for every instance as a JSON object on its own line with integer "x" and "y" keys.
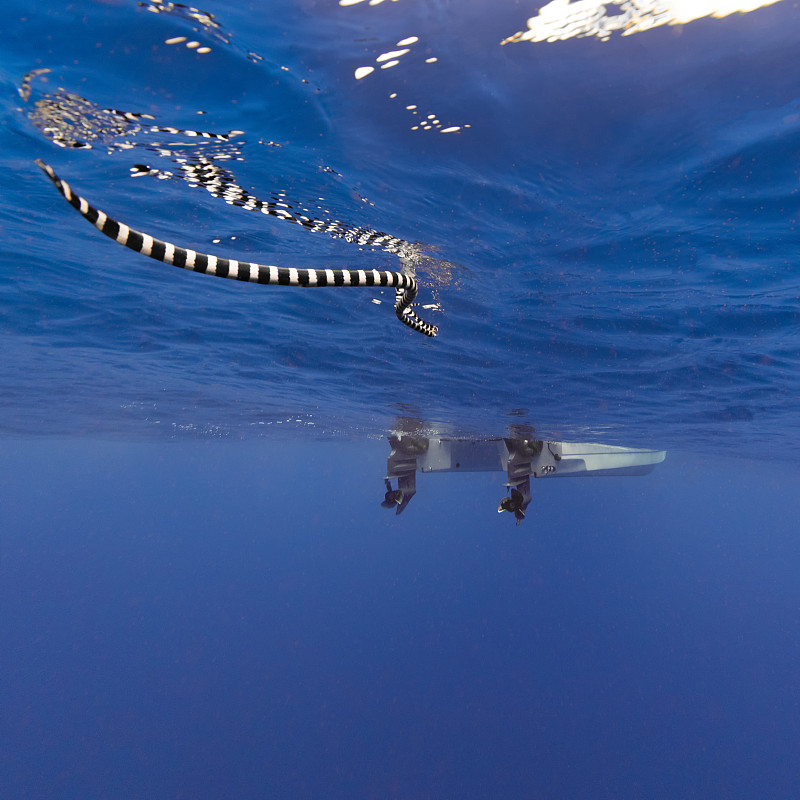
{"x": 520, "y": 455}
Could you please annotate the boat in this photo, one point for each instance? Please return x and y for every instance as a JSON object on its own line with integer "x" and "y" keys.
{"x": 521, "y": 456}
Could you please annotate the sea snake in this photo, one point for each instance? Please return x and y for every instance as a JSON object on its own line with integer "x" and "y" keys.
{"x": 404, "y": 285}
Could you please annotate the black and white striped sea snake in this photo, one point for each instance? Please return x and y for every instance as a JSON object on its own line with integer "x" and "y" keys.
{"x": 404, "y": 285}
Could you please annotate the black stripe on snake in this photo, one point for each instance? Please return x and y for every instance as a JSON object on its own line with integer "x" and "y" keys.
{"x": 404, "y": 285}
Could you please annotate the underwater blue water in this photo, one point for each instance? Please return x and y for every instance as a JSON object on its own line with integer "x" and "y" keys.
{"x": 615, "y": 235}
{"x": 201, "y": 596}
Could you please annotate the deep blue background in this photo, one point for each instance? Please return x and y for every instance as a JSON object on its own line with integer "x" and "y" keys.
{"x": 200, "y": 595}
{"x": 187, "y": 621}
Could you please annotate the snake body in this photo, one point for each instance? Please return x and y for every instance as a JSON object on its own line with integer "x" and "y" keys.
{"x": 404, "y": 285}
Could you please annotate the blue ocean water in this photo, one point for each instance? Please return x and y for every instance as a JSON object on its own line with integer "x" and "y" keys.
{"x": 612, "y": 240}
{"x": 201, "y": 595}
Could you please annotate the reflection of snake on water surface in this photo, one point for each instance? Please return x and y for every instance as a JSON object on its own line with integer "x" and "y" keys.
{"x": 72, "y": 121}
